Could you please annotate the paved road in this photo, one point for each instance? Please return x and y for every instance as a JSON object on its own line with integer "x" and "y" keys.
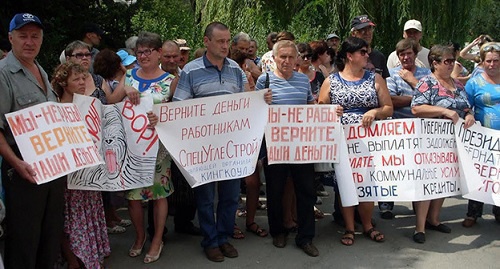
{"x": 477, "y": 247}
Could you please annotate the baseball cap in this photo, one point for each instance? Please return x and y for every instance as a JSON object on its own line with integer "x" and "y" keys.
{"x": 127, "y": 59}
{"x": 332, "y": 35}
{"x": 21, "y": 19}
{"x": 360, "y": 22}
{"x": 92, "y": 28}
{"x": 413, "y": 24}
{"x": 182, "y": 43}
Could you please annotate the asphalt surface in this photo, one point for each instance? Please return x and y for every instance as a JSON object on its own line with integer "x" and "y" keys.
{"x": 476, "y": 247}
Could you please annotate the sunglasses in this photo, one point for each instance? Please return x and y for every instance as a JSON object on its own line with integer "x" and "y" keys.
{"x": 363, "y": 52}
{"x": 82, "y": 55}
{"x": 306, "y": 56}
{"x": 449, "y": 61}
{"x": 491, "y": 47}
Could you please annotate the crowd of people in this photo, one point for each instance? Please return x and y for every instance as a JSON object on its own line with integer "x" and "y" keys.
{"x": 48, "y": 223}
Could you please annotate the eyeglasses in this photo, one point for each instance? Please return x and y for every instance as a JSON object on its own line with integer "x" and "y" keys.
{"x": 491, "y": 47}
{"x": 82, "y": 55}
{"x": 145, "y": 52}
{"x": 306, "y": 56}
{"x": 363, "y": 52}
{"x": 449, "y": 61}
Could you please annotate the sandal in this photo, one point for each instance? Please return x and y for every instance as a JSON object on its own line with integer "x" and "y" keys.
{"x": 348, "y": 238}
{"x": 257, "y": 231}
{"x": 318, "y": 214}
{"x": 124, "y": 223}
{"x": 375, "y": 235}
{"x": 116, "y": 229}
{"x": 237, "y": 233}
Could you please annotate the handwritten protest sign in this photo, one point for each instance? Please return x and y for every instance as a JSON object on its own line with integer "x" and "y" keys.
{"x": 214, "y": 138}
{"x": 52, "y": 137}
{"x": 479, "y": 154}
{"x": 403, "y": 160}
{"x": 302, "y": 134}
{"x": 128, "y": 147}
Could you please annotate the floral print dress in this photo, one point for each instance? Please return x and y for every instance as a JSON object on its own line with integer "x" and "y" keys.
{"x": 159, "y": 90}
{"x": 84, "y": 221}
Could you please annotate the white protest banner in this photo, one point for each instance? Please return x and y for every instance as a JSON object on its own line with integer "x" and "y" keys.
{"x": 403, "y": 160}
{"x": 52, "y": 137}
{"x": 302, "y": 134}
{"x": 479, "y": 153}
{"x": 343, "y": 173}
{"x": 214, "y": 138}
{"x": 129, "y": 148}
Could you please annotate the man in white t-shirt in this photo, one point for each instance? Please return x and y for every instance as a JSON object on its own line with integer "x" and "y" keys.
{"x": 413, "y": 30}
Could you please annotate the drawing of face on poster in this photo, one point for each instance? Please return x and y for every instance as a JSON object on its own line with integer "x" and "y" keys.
{"x": 114, "y": 143}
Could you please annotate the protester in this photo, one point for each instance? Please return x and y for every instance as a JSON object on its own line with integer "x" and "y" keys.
{"x": 214, "y": 74}
{"x": 290, "y": 87}
{"x": 333, "y": 41}
{"x": 150, "y": 80}
{"x": 130, "y": 45}
{"x": 438, "y": 96}
{"x": 129, "y": 61}
{"x": 241, "y": 42}
{"x": 34, "y": 212}
{"x": 316, "y": 77}
{"x": 85, "y": 238}
{"x": 252, "y": 52}
{"x": 91, "y": 34}
{"x": 403, "y": 80}
{"x": 182, "y": 43}
{"x": 412, "y": 30}
{"x": 483, "y": 92}
{"x": 368, "y": 100}
{"x": 465, "y": 53}
{"x": 362, "y": 27}
{"x": 320, "y": 58}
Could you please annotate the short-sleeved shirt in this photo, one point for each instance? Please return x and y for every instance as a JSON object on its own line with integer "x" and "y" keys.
{"x": 377, "y": 63}
{"x": 484, "y": 97}
{"x": 293, "y": 91}
{"x": 398, "y": 87}
{"x": 158, "y": 88}
{"x": 200, "y": 78}
{"x": 431, "y": 92}
{"x": 20, "y": 89}
{"x": 421, "y": 61}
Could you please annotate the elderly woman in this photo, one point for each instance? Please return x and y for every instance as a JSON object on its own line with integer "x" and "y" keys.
{"x": 438, "y": 95}
{"x": 484, "y": 95}
{"x": 150, "y": 79}
{"x": 368, "y": 100}
{"x": 85, "y": 239}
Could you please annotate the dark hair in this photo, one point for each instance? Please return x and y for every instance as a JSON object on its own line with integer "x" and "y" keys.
{"x": 209, "y": 30}
{"x": 304, "y": 48}
{"x": 148, "y": 39}
{"x": 107, "y": 63}
{"x": 285, "y": 35}
{"x": 436, "y": 54}
{"x": 405, "y": 44}
{"x": 272, "y": 36}
{"x": 454, "y": 45}
{"x": 350, "y": 45}
{"x": 62, "y": 73}
{"x": 318, "y": 48}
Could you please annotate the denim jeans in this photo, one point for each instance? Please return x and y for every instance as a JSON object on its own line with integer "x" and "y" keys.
{"x": 217, "y": 227}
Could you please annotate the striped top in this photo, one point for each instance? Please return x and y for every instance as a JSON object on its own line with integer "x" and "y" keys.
{"x": 293, "y": 91}
{"x": 200, "y": 78}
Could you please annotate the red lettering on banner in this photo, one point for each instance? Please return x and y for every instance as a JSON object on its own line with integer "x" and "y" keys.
{"x": 93, "y": 121}
{"x": 21, "y": 124}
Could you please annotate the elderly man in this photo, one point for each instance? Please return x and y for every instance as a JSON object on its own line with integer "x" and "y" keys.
{"x": 241, "y": 42}
{"x": 34, "y": 212}
{"x": 362, "y": 27}
{"x": 210, "y": 75}
{"x": 333, "y": 41}
{"x": 182, "y": 43}
{"x": 289, "y": 88}
{"x": 170, "y": 57}
{"x": 412, "y": 30}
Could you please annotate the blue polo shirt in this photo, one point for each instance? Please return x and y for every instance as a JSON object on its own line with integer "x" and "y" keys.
{"x": 200, "y": 78}
{"x": 398, "y": 87}
{"x": 293, "y": 91}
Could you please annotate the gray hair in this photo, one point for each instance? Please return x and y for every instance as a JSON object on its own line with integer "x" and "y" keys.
{"x": 284, "y": 44}
{"x": 241, "y": 36}
{"x": 130, "y": 42}
{"x": 68, "y": 51}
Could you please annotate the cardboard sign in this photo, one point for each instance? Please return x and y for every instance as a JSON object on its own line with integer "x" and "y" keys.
{"x": 128, "y": 147}
{"x": 214, "y": 138}
{"x": 302, "y": 134}
{"x": 53, "y": 138}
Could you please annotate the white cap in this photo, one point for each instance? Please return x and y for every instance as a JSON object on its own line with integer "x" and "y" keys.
{"x": 413, "y": 24}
